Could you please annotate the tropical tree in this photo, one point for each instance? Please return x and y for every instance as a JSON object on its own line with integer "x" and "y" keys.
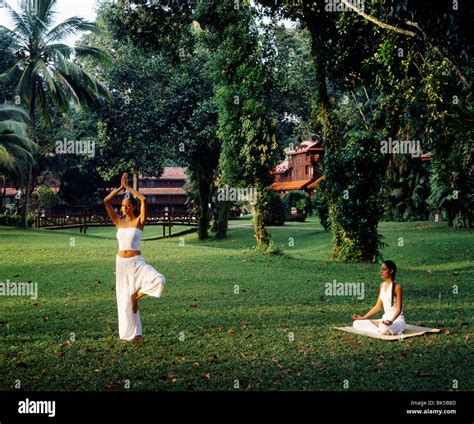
{"x": 46, "y": 75}
{"x": 193, "y": 119}
{"x": 246, "y": 95}
{"x": 7, "y": 60}
{"x": 16, "y": 149}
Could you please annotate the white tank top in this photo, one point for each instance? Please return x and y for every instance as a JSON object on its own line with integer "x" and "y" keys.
{"x": 129, "y": 238}
{"x": 386, "y": 297}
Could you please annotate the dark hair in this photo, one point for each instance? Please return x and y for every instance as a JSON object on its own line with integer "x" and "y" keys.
{"x": 392, "y": 267}
{"x": 134, "y": 202}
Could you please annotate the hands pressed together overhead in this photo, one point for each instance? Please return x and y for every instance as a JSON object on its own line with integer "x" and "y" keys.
{"x": 124, "y": 181}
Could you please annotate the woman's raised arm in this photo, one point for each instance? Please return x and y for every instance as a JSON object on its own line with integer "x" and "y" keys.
{"x": 108, "y": 206}
{"x": 138, "y": 195}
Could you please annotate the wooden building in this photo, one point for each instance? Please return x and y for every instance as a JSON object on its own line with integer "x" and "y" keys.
{"x": 164, "y": 192}
{"x": 299, "y": 171}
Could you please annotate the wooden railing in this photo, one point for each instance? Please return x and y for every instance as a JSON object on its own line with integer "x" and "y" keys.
{"x": 85, "y": 220}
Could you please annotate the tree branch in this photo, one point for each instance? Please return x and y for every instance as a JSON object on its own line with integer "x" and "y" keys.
{"x": 438, "y": 51}
{"x": 381, "y": 24}
{"x": 376, "y": 21}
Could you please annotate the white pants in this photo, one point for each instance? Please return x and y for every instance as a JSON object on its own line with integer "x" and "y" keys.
{"x": 132, "y": 275}
{"x": 397, "y": 327}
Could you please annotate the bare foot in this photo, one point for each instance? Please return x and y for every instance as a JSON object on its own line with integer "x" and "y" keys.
{"x": 137, "y": 339}
{"x": 134, "y": 300}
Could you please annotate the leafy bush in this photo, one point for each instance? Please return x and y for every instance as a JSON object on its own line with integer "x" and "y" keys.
{"x": 300, "y": 200}
{"x": 321, "y": 205}
{"x": 297, "y": 217}
{"x": 47, "y": 199}
{"x": 353, "y": 183}
{"x": 277, "y": 211}
{"x": 10, "y": 209}
{"x": 15, "y": 220}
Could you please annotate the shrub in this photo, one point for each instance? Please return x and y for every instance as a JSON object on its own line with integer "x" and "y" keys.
{"x": 277, "y": 211}
{"x": 352, "y": 185}
{"x": 47, "y": 199}
{"x": 300, "y": 200}
{"x": 321, "y": 205}
{"x": 297, "y": 217}
{"x": 15, "y": 220}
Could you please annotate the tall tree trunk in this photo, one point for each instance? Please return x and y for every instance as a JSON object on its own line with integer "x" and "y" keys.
{"x": 29, "y": 177}
{"x": 261, "y": 234}
{"x": 323, "y": 111}
{"x": 214, "y": 209}
{"x": 204, "y": 196}
{"x": 4, "y": 190}
{"x": 259, "y": 208}
{"x": 326, "y": 116}
{"x": 223, "y": 220}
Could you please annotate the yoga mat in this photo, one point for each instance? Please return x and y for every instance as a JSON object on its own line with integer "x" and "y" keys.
{"x": 411, "y": 331}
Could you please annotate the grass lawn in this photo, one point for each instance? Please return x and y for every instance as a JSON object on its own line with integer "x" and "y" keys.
{"x": 228, "y": 313}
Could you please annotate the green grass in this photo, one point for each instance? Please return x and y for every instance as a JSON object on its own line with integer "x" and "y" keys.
{"x": 230, "y": 336}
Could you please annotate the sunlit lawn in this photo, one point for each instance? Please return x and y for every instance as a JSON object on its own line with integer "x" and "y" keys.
{"x": 229, "y": 313}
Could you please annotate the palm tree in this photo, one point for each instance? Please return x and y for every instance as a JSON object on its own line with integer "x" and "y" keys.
{"x": 47, "y": 73}
{"x": 15, "y": 147}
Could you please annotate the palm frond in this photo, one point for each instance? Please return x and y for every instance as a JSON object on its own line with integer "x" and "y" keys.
{"x": 65, "y": 84}
{"x": 71, "y": 26}
{"x": 44, "y": 107}
{"x": 7, "y": 161}
{"x": 9, "y": 74}
{"x": 25, "y": 85}
{"x": 13, "y": 154}
{"x": 51, "y": 50}
{"x": 20, "y": 21}
{"x": 46, "y": 11}
{"x": 101, "y": 55}
{"x": 11, "y": 126}
{"x": 15, "y": 39}
{"x": 43, "y": 71}
{"x": 17, "y": 113}
{"x": 14, "y": 142}
{"x": 16, "y": 152}
{"x": 88, "y": 90}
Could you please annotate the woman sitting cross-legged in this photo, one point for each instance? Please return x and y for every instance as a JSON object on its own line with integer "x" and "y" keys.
{"x": 390, "y": 297}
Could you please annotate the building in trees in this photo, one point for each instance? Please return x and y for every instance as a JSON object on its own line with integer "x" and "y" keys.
{"x": 161, "y": 192}
{"x": 300, "y": 170}
{"x": 166, "y": 191}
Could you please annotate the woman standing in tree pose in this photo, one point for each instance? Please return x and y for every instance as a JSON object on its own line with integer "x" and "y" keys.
{"x": 134, "y": 278}
{"x": 390, "y": 297}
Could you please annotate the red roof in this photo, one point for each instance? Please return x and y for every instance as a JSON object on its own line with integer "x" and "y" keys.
{"x": 303, "y": 147}
{"x": 170, "y": 173}
{"x": 316, "y": 182}
{"x": 162, "y": 191}
{"x": 282, "y": 167}
{"x": 13, "y": 191}
{"x": 290, "y": 185}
